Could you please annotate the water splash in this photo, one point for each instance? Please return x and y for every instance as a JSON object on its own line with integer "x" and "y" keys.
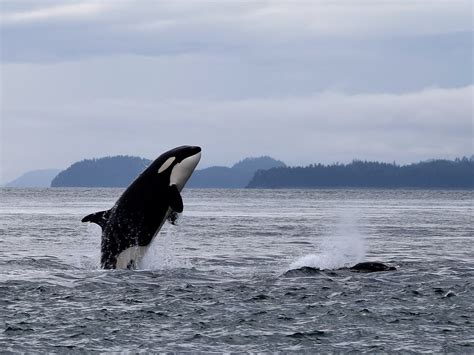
{"x": 344, "y": 247}
{"x": 88, "y": 257}
{"x": 163, "y": 253}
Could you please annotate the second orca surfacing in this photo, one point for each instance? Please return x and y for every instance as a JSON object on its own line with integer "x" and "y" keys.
{"x": 364, "y": 267}
{"x": 129, "y": 227}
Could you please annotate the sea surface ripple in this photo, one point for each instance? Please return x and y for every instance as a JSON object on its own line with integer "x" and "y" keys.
{"x": 218, "y": 281}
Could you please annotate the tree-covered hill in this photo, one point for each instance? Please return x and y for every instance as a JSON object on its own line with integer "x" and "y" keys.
{"x": 458, "y": 173}
{"x": 117, "y": 171}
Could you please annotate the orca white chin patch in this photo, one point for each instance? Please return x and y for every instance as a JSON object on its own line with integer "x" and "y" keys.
{"x": 183, "y": 170}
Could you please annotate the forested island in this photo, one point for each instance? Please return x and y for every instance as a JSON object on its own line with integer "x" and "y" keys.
{"x": 458, "y": 173}
{"x": 117, "y": 171}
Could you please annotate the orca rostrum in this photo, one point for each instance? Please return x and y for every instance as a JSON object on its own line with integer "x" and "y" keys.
{"x": 129, "y": 227}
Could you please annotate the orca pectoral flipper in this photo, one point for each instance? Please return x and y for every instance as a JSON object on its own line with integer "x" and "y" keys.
{"x": 175, "y": 199}
{"x": 99, "y": 218}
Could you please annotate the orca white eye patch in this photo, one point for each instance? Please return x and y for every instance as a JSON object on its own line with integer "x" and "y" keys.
{"x": 166, "y": 164}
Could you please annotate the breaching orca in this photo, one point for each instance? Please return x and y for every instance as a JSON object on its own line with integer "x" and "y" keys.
{"x": 138, "y": 215}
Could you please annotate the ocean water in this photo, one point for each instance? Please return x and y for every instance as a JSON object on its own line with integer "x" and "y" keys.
{"x": 219, "y": 281}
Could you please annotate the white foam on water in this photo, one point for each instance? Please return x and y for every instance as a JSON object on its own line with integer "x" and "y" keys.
{"x": 344, "y": 247}
{"x": 163, "y": 253}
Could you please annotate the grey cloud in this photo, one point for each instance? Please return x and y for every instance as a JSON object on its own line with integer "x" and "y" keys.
{"x": 66, "y": 31}
{"x": 314, "y": 17}
{"x": 325, "y": 127}
{"x": 304, "y": 82}
{"x": 247, "y": 49}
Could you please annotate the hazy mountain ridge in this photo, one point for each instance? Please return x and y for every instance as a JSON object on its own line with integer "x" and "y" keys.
{"x": 34, "y": 178}
{"x": 238, "y": 176}
{"x": 458, "y": 173}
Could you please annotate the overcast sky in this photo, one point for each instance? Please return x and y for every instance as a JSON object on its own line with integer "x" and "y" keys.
{"x": 302, "y": 81}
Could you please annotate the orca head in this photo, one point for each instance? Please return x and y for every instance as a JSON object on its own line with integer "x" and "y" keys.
{"x": 178, "y": 164}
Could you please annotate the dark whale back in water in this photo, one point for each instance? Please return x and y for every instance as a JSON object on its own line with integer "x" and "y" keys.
{"x": 372, "y": 267}
{"x": 360, "y": 267}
